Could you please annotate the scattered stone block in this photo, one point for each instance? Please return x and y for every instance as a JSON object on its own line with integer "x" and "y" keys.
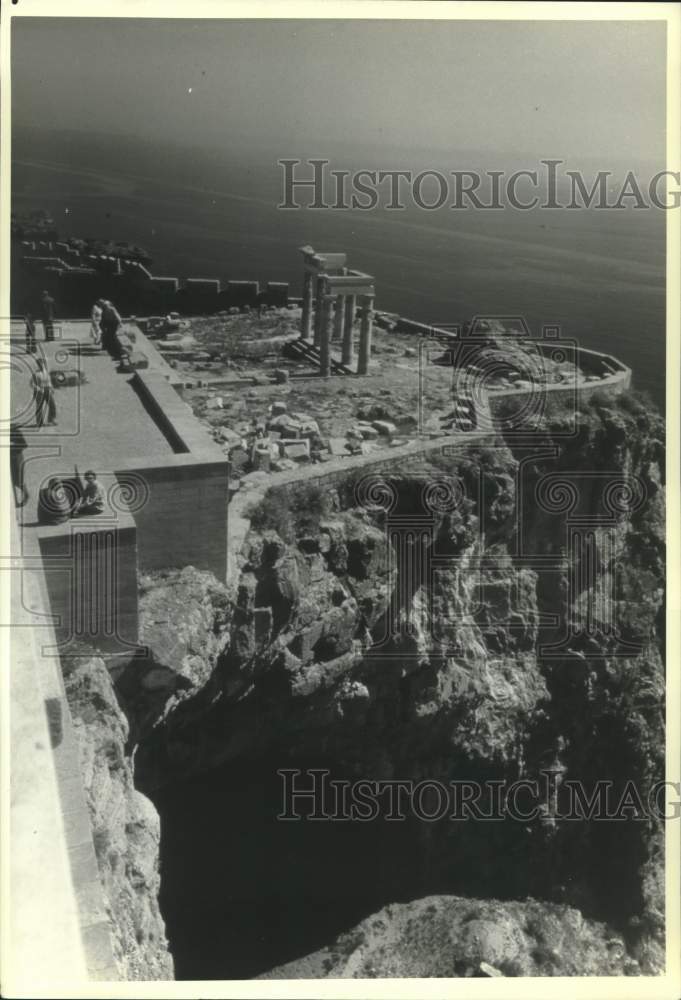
{"x": 338, "y": 446}
{"x": 384, "y": 427}
{"x": 289, "y": 429}
{"x": 308, "y": 429}
{"x": 282, "y": 465}
{"x": 214, "y": 403}
{"x": 229, "y": 436}
{"x": 298, "y": 451}
{"x": 281, "y": 375}
{"x": 366, "y": 431}
{"x": 277, "y": 408}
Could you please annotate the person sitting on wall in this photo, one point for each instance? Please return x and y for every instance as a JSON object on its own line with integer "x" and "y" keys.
{"x": 91, "y": 496}
{"x": 54, "y": 504}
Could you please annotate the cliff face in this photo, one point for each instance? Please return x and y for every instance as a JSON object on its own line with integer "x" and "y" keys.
{"x": 125, "y": 824}
{"x": 487, "y": 663}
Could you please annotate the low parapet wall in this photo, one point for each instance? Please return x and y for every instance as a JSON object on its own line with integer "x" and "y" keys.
{"x": 75, "y": 281}
{"x": 611, "y": 379}
{"x": 400, "y": 324}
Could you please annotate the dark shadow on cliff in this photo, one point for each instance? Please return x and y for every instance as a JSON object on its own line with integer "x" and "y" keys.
{"x": 243, "y": 891}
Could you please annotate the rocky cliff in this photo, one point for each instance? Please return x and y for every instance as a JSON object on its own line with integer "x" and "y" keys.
{"x": 491, "y": 649}
{"x": 446, "y": 936}
{"x": 125, "y": 824}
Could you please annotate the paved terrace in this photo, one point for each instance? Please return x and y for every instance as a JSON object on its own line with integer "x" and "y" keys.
{"x": 102, "y": 422}
{"x": 160, "y": 469}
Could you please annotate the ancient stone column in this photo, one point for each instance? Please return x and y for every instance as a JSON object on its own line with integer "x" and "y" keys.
{"x": 326, "y": 303}
{"x": 338, "y": 319}
{"x": 319, "y": 309}
{"x": 325, "y": 337}
{"x": 366, "y": 324}
{"x": 348, "y": 320}
{"x": 306, "y": 320}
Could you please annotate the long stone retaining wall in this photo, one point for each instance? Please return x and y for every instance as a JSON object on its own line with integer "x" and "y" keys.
{"x": 611, "y": 379}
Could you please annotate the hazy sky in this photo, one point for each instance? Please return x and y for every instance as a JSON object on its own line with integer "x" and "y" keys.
{"x": 565, "y": 88}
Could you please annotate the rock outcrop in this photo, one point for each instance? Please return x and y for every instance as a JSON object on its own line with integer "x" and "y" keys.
{"x": 125, "y": 824}
{"x": 451, "y": 937}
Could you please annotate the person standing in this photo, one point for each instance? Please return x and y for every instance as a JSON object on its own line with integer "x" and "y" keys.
{"x": 43, "y": 394}
{"x": 111, "y": 323}
{"x": 17, "y": 446}
{"x": 96, "y": 327}
{"x": 30, "y": 333}
{"x": 47, "y": 314}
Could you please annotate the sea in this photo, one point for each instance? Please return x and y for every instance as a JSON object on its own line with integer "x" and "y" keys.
{"x": 214, "y": 212}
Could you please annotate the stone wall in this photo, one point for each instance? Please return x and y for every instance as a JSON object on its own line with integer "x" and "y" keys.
{"x": 183, "y": 521}
{"x": 90, "y": 570}
{"x": 76, "y": 281}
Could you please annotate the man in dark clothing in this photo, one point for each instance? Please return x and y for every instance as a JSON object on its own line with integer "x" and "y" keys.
{"x": 30, "y": 333}
{"x": 47, "y": 314}
{"x": 110, "y": 323}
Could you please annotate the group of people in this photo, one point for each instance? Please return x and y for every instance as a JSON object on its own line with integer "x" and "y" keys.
{"x": 46, "y": 309}
{"x": 61, "y": 499}
{"x": 106, "y": 322}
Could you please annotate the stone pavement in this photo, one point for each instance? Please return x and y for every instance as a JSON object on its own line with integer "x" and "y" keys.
{"x": 101, "y": 423}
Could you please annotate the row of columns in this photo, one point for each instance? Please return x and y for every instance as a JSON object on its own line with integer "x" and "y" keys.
{"x": 329, "y": 308}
